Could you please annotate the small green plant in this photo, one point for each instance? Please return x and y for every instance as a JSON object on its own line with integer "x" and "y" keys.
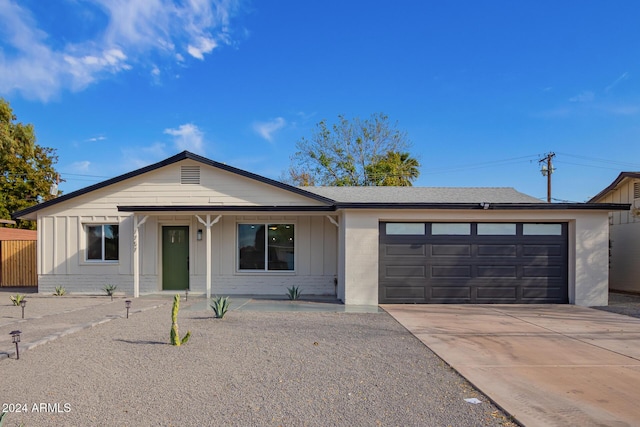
{"x": 175, "y": 337}
{"x": 60, "y": 291}
{"x": 220, "y": 306}
{"x": 110, "y": 290}
{"x": 293, "y": 293}
{"x": 17, "y": 299}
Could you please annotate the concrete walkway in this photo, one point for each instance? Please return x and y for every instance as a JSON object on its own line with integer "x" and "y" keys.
{"x": 547, "y": 365}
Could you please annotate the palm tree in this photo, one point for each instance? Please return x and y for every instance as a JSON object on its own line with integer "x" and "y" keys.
{"x": 393, "y": 169}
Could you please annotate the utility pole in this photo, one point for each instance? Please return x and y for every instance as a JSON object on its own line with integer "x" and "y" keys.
{"x": 547, "y": 170}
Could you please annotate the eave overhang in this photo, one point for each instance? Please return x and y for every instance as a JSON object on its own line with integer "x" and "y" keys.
{"x": 379, "y": 206}
{"x": 489, "y": 206}
{"x": 226, "y": 208}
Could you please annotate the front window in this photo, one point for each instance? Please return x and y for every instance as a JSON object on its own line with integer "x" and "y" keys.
{"x": 102, "y": 242}
{"x": 266, "y": 247}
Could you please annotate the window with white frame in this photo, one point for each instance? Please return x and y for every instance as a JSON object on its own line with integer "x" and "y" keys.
{"x": 102, "y": 242}
{"x": 266, "y": 247}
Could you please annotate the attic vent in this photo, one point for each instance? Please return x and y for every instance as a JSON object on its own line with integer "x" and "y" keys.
{"x": 636, "y": 190}
{"x": 189, "y": 174}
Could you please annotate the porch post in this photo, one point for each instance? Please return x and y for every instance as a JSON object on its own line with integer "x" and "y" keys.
{"x": 136, "y": 256}
{"x": 208, "y": 223}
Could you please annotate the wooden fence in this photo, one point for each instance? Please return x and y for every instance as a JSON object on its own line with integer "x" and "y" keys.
{"x": 18, "y": 263}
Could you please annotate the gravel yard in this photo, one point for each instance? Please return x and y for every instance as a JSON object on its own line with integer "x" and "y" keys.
{"x": 252, "y": 368}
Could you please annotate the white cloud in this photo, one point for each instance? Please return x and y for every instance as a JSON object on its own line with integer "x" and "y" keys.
{"x": 38, "y": 65}
{"x": 584, "y": 96}
{"x": 204, "y": 45}
{"x": 267, "y": 129}
{"x": 96, "y": 138}
{"x": 187, "y": 137}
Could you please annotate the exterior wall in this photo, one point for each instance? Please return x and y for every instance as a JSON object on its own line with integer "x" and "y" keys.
{"x": 588, "y": 248}
{"x": 624, "y": 239}
{"x": 62, "y": 237}
{"x": 62, "y": 248}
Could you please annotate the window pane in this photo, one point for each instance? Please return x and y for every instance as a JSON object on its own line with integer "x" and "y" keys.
{"x": 251, "y": 246}
{"x": 111, "y": 238}
{"x": 94, "y": 242}
{"x": 281, "y": 246}
{"x": 459, "y": 229}
{"x": 497, "y": 229}
{"x": 415, "y": 229}
{"x": 542, "y": 229}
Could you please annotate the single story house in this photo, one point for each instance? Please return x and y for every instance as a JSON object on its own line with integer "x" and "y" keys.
{"x": 188, "y": 222}
{"x": 624, "y": 232}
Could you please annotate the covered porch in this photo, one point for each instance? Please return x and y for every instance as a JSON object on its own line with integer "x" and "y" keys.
{"x": 247, "y": 251}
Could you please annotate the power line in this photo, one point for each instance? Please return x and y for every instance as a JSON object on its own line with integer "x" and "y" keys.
{"x": 481, "y": 165}
{"x": 595, "y": 159}
{"x": 588, "y": 166}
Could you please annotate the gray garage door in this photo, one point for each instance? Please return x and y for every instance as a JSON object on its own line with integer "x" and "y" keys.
{"x": 473, "y": 263}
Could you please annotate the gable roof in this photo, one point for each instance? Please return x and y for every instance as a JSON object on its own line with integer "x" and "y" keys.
{"x": 423, "y": 194}
{"x": 614, "y": 184}
{"x": 335, "y": 198}
{"x": 174, "y": 159}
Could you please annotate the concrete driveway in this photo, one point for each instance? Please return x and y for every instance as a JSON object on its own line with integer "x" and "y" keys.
{"x": 555, "y": 365}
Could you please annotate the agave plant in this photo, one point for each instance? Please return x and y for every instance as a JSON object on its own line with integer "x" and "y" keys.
{"x": 17, "y": 299}
{"x": 110, "y": 290}
{"x": 60, "y": 291}
{"x": 293, "y": 293}
{"x": 220, "y": 305}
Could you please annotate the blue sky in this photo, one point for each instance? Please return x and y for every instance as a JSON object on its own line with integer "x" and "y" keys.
{"x": 484, "y": 89}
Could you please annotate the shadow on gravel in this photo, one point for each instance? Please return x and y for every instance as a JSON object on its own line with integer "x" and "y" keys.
{"x": 142, "y": 342}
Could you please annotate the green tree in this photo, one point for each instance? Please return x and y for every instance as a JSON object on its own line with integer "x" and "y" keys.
{"x": 352, "y": 153}
{"x": 26, "y": 168}
{"x": 394, "y": 169}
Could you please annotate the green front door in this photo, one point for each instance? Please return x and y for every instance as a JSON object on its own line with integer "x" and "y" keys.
{"x": 175, "y": 258}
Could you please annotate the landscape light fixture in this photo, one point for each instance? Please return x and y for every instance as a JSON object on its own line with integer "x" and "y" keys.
{"x": 22, "y": 304}
{"x": 199, "y": 235}
{"x": 127, "y": 304}
{"x": 15, "y": 337}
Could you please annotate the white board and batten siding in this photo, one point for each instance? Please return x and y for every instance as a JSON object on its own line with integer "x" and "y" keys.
{"x": 62, "y": 239}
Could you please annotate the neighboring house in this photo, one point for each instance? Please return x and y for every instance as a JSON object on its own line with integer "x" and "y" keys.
{"x": 191, "y": 223}
{"x": 624, "y": 230}
{"x": 17, "y": 257}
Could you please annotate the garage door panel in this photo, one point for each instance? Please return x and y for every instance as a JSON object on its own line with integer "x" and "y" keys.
{"x": 498, "y": 271}
{"x": 542, "y": 272}
{"x": 405, "y": 293}
{"x": 488, "y": 294}
{"x": 497, "y": 250}
{"x": 405, "y": 250}
{"x": 472, "y": 268}
{"x": 451, "y": 250}
{"x": 406, "y": 271}
{"x": 446, "y": 292}
{"x": 454, "y": 271}
{"x": 542, "y": 250}
{"x": 548, "y": 293}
